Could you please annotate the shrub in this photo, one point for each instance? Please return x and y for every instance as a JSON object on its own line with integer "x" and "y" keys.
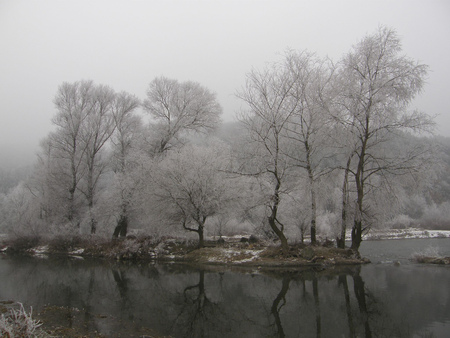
{"x": 23, "y": 243}
{"x": 64, "y": 244}
{"x": 18, "y": 323}
{"x": 429, "y": 252}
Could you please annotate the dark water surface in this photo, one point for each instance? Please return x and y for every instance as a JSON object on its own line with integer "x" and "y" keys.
{"x": 114, "y": 299}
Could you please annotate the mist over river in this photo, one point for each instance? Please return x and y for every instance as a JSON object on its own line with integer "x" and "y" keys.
{"x": 392, "y": 297}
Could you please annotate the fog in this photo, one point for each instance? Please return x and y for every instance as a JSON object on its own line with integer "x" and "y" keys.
{"x": 126, "y": 44}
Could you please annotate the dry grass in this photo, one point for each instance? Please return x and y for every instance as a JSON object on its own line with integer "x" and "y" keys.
{"x": 16, "y": 322}
{"x": 430, "y": 255}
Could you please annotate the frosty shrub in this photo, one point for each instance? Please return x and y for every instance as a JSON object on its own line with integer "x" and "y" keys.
{"x": 430, "y": 251}
{"x": 18, "y": 323}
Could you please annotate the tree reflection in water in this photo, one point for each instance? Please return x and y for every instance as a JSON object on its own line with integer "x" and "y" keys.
{"x": 315, "y": 323}
{"x": 360, "y": 293}
{"x": 197, "y": 310}
{"x": 343, "y": 282}
{"x": 183, "y": 301}
{"x": 278, "y": 303}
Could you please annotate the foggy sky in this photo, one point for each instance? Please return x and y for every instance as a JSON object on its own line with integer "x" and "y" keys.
{"x": 126, "y": 44}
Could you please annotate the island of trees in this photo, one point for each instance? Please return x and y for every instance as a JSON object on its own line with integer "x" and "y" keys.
{"x": 321, "y": 148}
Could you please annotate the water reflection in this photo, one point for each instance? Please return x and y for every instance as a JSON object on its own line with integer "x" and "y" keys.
{"x": 183, "y": 301}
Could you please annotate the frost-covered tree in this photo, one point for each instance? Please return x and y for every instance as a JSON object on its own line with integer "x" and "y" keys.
{"x": 378, "y": 84}
{"x": 191, "y": 186}
{"x": 309, "y": 125}
{"x": 128, "y": 127}
{"x": 20, "y": 212}
{"x": 73, "y": 102}
{"x": 268, "y": 95}
{"x": 74, "y": 157}
{"x": 95, "y": 133}
{"x": 177, "y": 108}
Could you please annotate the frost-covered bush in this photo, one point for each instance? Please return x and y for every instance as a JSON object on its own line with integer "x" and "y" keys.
{"x": 436, "y": 216}
{"x": 430, "y": 251}
{"x": 19, "y": 323}
{"x": 326, "y": 224}
{"x": 23, "y": 243}
{"x": 236, "y": 227}
{"x": 401, "y": 221}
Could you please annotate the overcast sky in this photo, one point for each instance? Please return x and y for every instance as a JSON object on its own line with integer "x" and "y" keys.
{"x": 126, "y": 44}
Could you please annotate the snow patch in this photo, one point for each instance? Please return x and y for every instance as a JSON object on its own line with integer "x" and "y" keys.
{"x": 76, "y": 252}
{"x": 228, "y": 255}
{"x": 39, "y": 250}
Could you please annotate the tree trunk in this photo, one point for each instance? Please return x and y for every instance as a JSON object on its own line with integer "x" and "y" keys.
{"x": 356, "y": 234}
{"x": 122, "y": 224}
{"x": 122, "y": 227}
{"x": 273, "y": 218}
{"x": 201, "y": 242}
{"x": 91, "y": 215}
{"x": 357, "y": 224}
{"x": 280, "y": 235}
{"x": 93, "y": 226}
{"x": 313, "y": 193}
{"x": 73, "y": 186}
{"x": 340, "y": 241}
{"x": 313, "y": 232}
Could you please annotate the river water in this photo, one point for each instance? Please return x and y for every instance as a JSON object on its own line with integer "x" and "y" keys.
{"x": 392, "y": 297}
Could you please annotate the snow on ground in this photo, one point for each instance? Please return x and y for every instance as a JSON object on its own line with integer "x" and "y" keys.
{"x": 76, "y": 252}
{"x": 411, "y": 233}
{"x": 375, "y": 234}
{"x": 235, "y": 255}
{"x": 39, "y": 250}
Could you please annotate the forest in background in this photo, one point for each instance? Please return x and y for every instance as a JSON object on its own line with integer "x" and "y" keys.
{"x": 322, "y": 148}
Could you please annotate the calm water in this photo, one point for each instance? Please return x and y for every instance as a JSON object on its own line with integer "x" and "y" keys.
{"x": 375, "y": 300}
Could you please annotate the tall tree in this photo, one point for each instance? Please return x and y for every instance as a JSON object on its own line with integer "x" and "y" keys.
{"x": 378, "y": 84}
{"x": 127, "y": 127}
{"x": 271, "y": 106}
{"x": 96, "y": 131}
{"x": 73, "y": 102}
{"x": 309, "y": 127}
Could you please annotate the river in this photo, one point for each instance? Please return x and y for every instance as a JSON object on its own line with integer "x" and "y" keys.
{"x": 392, "y": 297}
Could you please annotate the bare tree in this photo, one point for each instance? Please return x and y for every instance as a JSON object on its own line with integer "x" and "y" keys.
{"x": 178, "y": 108}
{"x": 127, "y": 127}
{"x": 96, "y": 131}
{"x": 87, "y": 117}
{"x": 309, "y": 125}
{"x": 271, "y": 106}
{"x": 378, "y": 83}
{"x": 73, "y": 102}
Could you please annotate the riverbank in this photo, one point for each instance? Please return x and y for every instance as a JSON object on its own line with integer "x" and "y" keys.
{"x": 243, "y": 251}
{"x": 409, "y": 233}
{"x": 237, "y": 250}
